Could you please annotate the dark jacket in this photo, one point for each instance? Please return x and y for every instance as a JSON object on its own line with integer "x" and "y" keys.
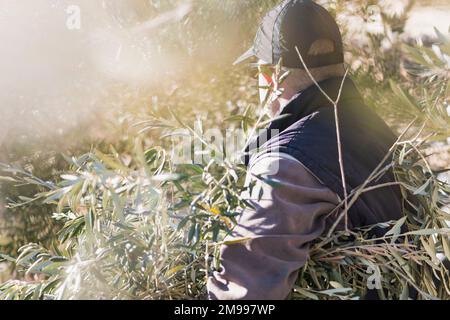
{"x": 275, "y": 234}
{"x": 308, "y": 133}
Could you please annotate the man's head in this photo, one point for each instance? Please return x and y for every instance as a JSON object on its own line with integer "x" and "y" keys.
{"x": 294, "y": 29}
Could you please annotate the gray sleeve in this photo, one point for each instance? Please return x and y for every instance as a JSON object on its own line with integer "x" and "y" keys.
{"x": 287, "y": 216}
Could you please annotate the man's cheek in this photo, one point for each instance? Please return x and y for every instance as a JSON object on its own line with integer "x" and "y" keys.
{"x": 263, "y": 94}
{"x": 275, "y": 107}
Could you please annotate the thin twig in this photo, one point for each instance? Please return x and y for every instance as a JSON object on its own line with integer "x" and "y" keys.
{"x": 338, "y": 131}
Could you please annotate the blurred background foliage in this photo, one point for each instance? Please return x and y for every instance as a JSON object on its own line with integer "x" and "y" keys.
{"x": 100, "y": 211}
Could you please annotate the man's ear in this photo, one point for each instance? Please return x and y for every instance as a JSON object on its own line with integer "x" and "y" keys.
{"x": 321, "y": 46}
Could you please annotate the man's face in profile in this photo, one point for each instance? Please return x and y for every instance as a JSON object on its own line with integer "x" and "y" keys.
{"x": 264, "y": 80}
{"x": 266, "y": 85}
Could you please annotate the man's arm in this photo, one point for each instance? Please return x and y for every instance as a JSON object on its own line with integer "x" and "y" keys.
{"x": 288, "y": 215}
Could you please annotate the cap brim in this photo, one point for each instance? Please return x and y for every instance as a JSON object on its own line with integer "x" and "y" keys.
{"x": 249, "y": 54}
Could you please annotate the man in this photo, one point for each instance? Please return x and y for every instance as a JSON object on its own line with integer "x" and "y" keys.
{"x": 303, "y": 158}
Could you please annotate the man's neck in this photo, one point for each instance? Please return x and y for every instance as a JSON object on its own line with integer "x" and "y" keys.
{"x": 298, "y": 81}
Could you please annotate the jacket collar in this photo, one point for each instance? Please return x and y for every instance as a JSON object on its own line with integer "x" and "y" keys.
{"x": 312, "y": 99}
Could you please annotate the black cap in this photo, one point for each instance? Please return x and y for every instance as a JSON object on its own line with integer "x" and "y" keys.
{"x": 302, "y": 24}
